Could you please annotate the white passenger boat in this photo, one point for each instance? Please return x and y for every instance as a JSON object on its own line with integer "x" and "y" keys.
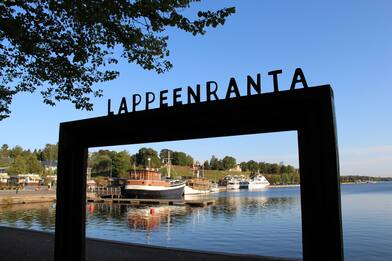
{"x": 233, "y": 184}
{"x": 258, "y": 182}
{"x": 214, "y": 188}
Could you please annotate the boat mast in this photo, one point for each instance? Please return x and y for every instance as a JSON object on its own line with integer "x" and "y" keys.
{"x": 168, "y": 165}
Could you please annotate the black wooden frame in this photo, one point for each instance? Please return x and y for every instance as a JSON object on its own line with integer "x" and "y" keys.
{"x": 308, "y": 111}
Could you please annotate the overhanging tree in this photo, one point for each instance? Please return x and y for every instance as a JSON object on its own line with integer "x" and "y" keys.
{"x": 61, "y": 48}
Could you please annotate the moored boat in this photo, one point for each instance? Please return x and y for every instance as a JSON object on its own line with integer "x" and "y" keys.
{"x": 244, "y": 184}
{"x": 214, "y": 188}
{"x": 147, "y": 184}
{"x": 258, "y": 182}
{"x": 197, "y": 185}
{"x": 233, "y": 184}
{"x": 191, "y": 191}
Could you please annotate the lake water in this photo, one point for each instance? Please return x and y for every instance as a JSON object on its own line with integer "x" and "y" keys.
{"x": 266, "y": 222}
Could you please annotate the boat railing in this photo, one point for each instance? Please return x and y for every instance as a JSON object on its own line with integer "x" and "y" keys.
{"x": 107, "y": 191}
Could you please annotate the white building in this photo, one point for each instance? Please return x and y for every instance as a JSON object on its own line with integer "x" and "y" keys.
{"x": 4, "y": 178}
{"x": 236, "y": 168}
{"x": 25, "y": 179}
{"x": 50, "y": 165}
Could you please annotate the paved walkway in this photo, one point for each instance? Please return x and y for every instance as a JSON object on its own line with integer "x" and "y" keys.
{"x": 22, "y": 244}
{"x": 42, "y": 191}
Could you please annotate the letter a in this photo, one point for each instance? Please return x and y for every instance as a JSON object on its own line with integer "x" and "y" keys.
{"x": 123, "y": 106}
{"x": 232, "y": 88}
{"x": 298, "y": 77}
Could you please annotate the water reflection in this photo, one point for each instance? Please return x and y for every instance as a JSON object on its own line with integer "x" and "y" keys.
{"x": 236, "y": 217}
{"x": 39, "y": 216}
{"x": 151, "y": 218}
{"x": 148, "y": 219}
{"x": 229, "y": 207}
{"x": 264, "y": 223}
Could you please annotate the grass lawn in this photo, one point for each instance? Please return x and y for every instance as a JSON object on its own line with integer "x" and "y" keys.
{"x": 213, "y": 175}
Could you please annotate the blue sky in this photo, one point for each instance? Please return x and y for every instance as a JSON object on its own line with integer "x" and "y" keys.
{"x": 347, "y": 44}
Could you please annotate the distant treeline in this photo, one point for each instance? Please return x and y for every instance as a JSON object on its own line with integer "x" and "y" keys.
{"x": 20, "y": 161}
{"x": 229, "y": 162}
{"x": 355, "y": 179}
{"x": 119, "y": 164}
{"x": 283, "y": 179}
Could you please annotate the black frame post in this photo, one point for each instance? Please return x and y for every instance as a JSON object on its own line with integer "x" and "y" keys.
{"x": 320, "y": 185}
{"x": 71, "y": 199}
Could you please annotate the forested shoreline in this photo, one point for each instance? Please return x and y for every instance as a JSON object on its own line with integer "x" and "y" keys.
{"x": 109, "y": 163}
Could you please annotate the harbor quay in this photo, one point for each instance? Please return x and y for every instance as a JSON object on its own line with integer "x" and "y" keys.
{"x": 8, "y": 197}
{"x": 30, "y": 197}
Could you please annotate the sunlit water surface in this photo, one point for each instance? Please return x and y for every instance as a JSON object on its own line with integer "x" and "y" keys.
{"x": 266, "y": 222}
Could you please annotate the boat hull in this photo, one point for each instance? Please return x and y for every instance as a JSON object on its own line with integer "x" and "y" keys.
{"x": 154, "y": 192}
{"x": 190, "y": 191}
{"x": 244, "y": 185}
{"x": 257, "y": 186}
{"x": 233, "y": 186}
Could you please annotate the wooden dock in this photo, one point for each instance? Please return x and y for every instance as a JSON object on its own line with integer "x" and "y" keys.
{"x": 200, "y": 203}
{"x": 169, "y": 202}
{"x": 26, "y": 199}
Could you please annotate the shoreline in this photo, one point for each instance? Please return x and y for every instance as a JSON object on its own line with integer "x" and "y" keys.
{"x": 26, "y": 197}
{"x": 283, "y": 186}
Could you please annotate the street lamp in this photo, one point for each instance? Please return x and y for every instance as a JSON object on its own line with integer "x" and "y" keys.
{"x": 149, "y": 163}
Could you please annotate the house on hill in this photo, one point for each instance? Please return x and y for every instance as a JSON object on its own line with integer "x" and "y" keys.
{"x": 25, "y": 179}
{"x": 236, "y": 168}
{"x": 50, "y": 165}
{"x": 4, "y": 179}
{"x": 4, "y": 176}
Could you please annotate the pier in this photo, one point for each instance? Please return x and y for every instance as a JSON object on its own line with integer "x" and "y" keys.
{"x": 26, "y": 197}
{"x": 112, "y": 195}
{"x": 104, "y": 196}
{"x": 169, "y": 202}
